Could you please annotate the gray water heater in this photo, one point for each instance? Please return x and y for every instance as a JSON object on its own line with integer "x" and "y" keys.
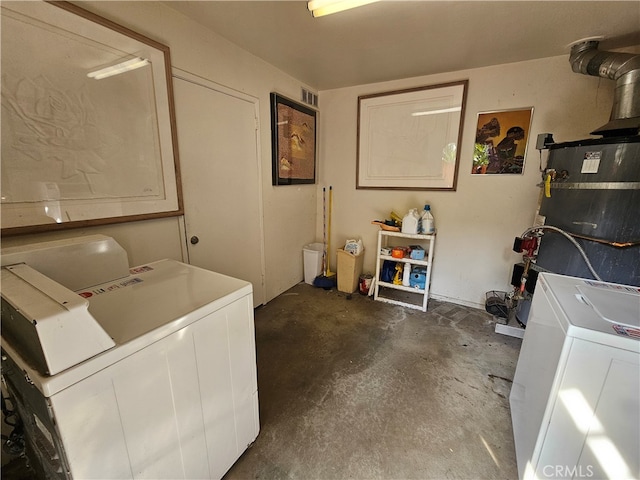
{"x": 595, "y": 197}
{"x": 595, "y": 192}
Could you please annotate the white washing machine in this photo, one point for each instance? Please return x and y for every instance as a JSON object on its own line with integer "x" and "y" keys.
{"x": 148, "y": 372}
{"x": 575, "y": 398}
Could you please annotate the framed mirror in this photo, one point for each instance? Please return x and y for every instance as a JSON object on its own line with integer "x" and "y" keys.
{"x": 409, "y": 139}
{"x": 88, "y": 125}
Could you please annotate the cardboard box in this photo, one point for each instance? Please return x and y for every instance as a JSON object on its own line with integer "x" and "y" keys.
{"x": 349, "y": 270}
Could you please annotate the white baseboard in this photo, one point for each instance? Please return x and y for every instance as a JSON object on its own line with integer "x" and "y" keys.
{"x": 510, "y": 330}
{"x": 457, "y": 301}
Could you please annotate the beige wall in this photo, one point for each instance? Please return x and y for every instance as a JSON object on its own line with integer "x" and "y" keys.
{"x": 289, "y": 212}
{"x": 144, "y": 242}
{"x": 478, "y": 222}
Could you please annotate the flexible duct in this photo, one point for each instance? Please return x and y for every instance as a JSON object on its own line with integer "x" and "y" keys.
{"x": 624, "y": 68}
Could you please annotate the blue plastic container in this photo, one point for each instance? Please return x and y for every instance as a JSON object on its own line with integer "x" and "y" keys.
{"x": 418, "y": 277}
{"x": 417, "y": 252}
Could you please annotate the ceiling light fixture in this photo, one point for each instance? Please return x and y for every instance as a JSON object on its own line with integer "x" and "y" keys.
{"x": 132, "y": 64}
{"x": 318, "y": 8}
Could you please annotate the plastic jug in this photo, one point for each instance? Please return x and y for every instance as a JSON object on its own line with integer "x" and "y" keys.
{"x": 410, "y": 221}
{"x": 427, "y": 221}
{"x": 354, "y": 246}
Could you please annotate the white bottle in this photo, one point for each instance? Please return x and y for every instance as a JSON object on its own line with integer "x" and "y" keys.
{"x": 406, "y": 275}
{"x": 428, "y": 223}
{"x": 410, "y": 221}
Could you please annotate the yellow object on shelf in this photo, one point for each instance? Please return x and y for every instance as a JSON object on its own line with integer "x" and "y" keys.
{"x": 397, "y": 278}
{"x": 547, "y": 186}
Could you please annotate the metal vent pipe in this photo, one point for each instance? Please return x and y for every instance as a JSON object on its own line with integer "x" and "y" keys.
{"x": 624, "y": 68}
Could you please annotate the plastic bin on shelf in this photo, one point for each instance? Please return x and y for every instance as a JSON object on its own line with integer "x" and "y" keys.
{"x": 349, "y": 270}
{"x": 312, "y": 261}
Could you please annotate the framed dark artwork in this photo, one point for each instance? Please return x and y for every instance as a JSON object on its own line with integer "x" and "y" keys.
{"x": 501, "y": 141}
{"x": 409, "y": 139}
{"x": 88, "y": 124}
{"x": 293, "y": 142}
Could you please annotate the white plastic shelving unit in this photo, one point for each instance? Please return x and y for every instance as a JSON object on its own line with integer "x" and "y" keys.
{"x": 404, "y": 239}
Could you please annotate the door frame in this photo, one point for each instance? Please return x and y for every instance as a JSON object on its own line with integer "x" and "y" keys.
{"x": 180, "y": 74}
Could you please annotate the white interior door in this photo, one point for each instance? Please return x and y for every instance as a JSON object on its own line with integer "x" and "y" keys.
{"x": 221, "y": 179}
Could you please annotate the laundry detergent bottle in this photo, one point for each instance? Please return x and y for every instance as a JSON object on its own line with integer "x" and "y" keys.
{"x": 427, "y": 221}
{"x": 406, "y": 275}
{"x": 410, "y": 221}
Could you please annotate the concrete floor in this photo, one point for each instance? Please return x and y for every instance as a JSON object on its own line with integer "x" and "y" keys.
{"x": 351, "y": 388}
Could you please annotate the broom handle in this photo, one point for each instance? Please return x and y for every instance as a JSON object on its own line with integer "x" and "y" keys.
{"x": 329, "y": 232}
{"x": 324, "y": 230}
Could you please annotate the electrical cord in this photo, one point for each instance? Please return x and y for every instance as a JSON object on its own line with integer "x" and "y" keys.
{"x": 14, "y": 443}
{"x": 571, "y": 239}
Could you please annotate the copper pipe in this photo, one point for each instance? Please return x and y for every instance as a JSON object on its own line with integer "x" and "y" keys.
{"x": 606, "y": 242}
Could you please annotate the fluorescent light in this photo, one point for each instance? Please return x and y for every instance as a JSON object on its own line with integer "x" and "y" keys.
{"x": 318, "y": 8}
{"x": 132, "y": 64}
{"x": 435, "y": 112}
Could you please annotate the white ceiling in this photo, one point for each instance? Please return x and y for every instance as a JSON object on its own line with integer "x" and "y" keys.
{"x": 400, "y": 39}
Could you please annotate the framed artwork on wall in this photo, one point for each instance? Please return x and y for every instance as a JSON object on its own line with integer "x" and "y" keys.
{"x": 293, "y": 142}
{"x": 88, "y": 129}
{"x": 501, "y": 141}
{"x": 408, "y": 139}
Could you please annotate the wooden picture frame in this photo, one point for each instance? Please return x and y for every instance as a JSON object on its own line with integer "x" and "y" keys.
{"x": 293, "y": 142}
{"x": 501, "y": 141}
{"x": 408, "y": 139}
{"x": 88, "y": 123}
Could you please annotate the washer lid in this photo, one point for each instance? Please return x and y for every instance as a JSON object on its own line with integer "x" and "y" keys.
{"x": 155, "y": 301}
{"x": 48, "y": 324}
{"x": 592, "y": 310}
{"x": 613, "y": 305}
